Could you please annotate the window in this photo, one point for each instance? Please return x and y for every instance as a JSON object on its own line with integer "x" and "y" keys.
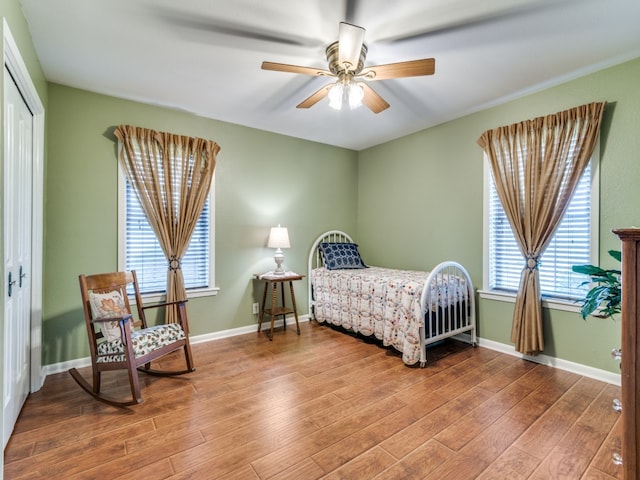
{"x": 140, "y": 250}
{"x": 572, "y": 244}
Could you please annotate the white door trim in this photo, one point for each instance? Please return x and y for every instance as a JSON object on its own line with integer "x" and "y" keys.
{"x": 16, "y": 66}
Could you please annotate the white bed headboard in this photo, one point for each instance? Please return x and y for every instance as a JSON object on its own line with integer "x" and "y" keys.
{"x": 315, "y": 258}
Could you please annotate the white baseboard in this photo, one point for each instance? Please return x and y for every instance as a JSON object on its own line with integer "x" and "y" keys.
{"x": 573, "y": 367}
{"x": 578, "y": 368}
{"x": 207, "y": 337}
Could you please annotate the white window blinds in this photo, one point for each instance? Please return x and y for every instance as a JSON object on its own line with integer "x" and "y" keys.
{"x": 570, "y": 245}
{"x": 144, "y": 255}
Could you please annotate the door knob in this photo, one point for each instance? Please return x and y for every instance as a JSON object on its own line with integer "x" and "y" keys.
{"x": 11, "y": 284}
{"x": 22, "y": 275}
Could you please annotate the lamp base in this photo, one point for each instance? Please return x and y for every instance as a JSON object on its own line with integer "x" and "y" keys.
{"x": 279, "y": 258}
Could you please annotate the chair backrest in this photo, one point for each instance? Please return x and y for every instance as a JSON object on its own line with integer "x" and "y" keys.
{"x": 105, "y": 295}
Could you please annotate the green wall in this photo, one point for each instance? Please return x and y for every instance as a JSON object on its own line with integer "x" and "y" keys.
{"x": 261, "y": 179}
{"x": 406, "y": 187}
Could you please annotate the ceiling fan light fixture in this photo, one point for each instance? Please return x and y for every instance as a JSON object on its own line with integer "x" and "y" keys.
{"x": 355, "y": 93}
{"x": 336, "y": 94}
{"x": 345, "y": 91}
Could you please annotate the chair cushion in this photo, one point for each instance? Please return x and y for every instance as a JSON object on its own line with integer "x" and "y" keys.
{"x": 144, "y": 341}
{"x": 108, "y": 305}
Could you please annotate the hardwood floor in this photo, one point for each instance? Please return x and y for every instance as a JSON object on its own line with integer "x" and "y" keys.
{"x": 325, "y": 405}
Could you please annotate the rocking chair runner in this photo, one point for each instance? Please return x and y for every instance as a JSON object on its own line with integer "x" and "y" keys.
{"x": 113, "y": 341}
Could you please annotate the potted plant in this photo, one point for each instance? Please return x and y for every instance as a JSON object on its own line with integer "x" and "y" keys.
{"x": 605, "y": 295}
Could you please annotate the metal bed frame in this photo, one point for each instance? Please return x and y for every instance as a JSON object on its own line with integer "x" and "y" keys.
{"x": 453, "y": 319}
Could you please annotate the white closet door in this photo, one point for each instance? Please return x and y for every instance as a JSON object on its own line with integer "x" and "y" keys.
{"x": 18, "y": 161}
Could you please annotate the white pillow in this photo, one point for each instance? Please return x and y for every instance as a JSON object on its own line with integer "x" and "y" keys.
{"x": 108, "y": 305}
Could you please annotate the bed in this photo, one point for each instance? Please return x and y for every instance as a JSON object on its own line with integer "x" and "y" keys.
{"x": 404, "y": 309}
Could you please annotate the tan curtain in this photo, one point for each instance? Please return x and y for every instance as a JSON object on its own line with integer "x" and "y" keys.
{"x": 171, "y": 175}
{"x": 536, "y": 165}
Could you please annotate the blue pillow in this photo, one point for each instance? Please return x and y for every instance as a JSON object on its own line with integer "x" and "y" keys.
{"x": 341, "y": 255}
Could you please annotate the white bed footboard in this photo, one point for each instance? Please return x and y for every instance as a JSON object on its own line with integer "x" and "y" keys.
{"x": 447, "y": 301}
{"x": 448, "y": 306}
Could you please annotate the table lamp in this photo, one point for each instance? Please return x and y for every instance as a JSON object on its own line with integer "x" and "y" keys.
{"x": 278, "y": 239}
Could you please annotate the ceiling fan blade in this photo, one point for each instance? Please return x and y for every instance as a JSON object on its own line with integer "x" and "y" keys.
{"x": 315, "y": 98}
{"x": 283, "y": 67}
{"x": 209, "y": 24}
{"x": 434, "y": 18}
{"x": 412, "y": 68}
{"x": 372, "y": 100}
{"x": 350, "y": 40}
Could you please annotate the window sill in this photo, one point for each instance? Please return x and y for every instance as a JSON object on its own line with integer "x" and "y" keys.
{"x": 196, "y": 293}
{"x": 547, "y": 302}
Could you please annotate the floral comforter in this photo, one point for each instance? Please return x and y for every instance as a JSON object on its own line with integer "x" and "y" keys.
{"x": 379, "y": 301}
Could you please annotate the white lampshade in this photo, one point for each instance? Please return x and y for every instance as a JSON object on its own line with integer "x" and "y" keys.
{"x": 355, "y": 94}
{"x": 279, "y": 238}
{"x": 336, "y": 93}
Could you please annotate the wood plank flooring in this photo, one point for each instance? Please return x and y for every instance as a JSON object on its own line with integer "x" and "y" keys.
{"x": 325, "y": 405}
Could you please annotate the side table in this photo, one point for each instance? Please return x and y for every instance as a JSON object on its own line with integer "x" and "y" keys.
{"x": 273, "y": 281}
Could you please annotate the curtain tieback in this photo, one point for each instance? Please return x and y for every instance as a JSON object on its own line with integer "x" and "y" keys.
{"x": 174, "y": 263}
{"x": 532, "y": 261}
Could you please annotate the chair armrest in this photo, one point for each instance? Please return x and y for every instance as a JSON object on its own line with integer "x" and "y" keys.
{"x": 124, "y": 318}
{"x": 124, "y": 324}
{"x": 164, "y": 304}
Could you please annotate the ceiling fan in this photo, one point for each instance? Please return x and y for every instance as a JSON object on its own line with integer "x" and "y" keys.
{"x": 346, "y": 59}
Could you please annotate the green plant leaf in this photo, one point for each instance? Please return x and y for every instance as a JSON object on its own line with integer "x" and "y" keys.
{"x": 605, "y": 294}
{"x": 588, "y": 269}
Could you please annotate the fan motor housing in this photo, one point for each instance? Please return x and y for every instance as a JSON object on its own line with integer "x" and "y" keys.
{"x": 334, "y": 65}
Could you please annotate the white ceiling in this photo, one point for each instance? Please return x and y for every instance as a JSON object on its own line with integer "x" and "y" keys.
{"x": 204, "y": 56}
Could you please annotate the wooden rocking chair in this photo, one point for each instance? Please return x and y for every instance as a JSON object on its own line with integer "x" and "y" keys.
{"x": 113, "y": 341}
